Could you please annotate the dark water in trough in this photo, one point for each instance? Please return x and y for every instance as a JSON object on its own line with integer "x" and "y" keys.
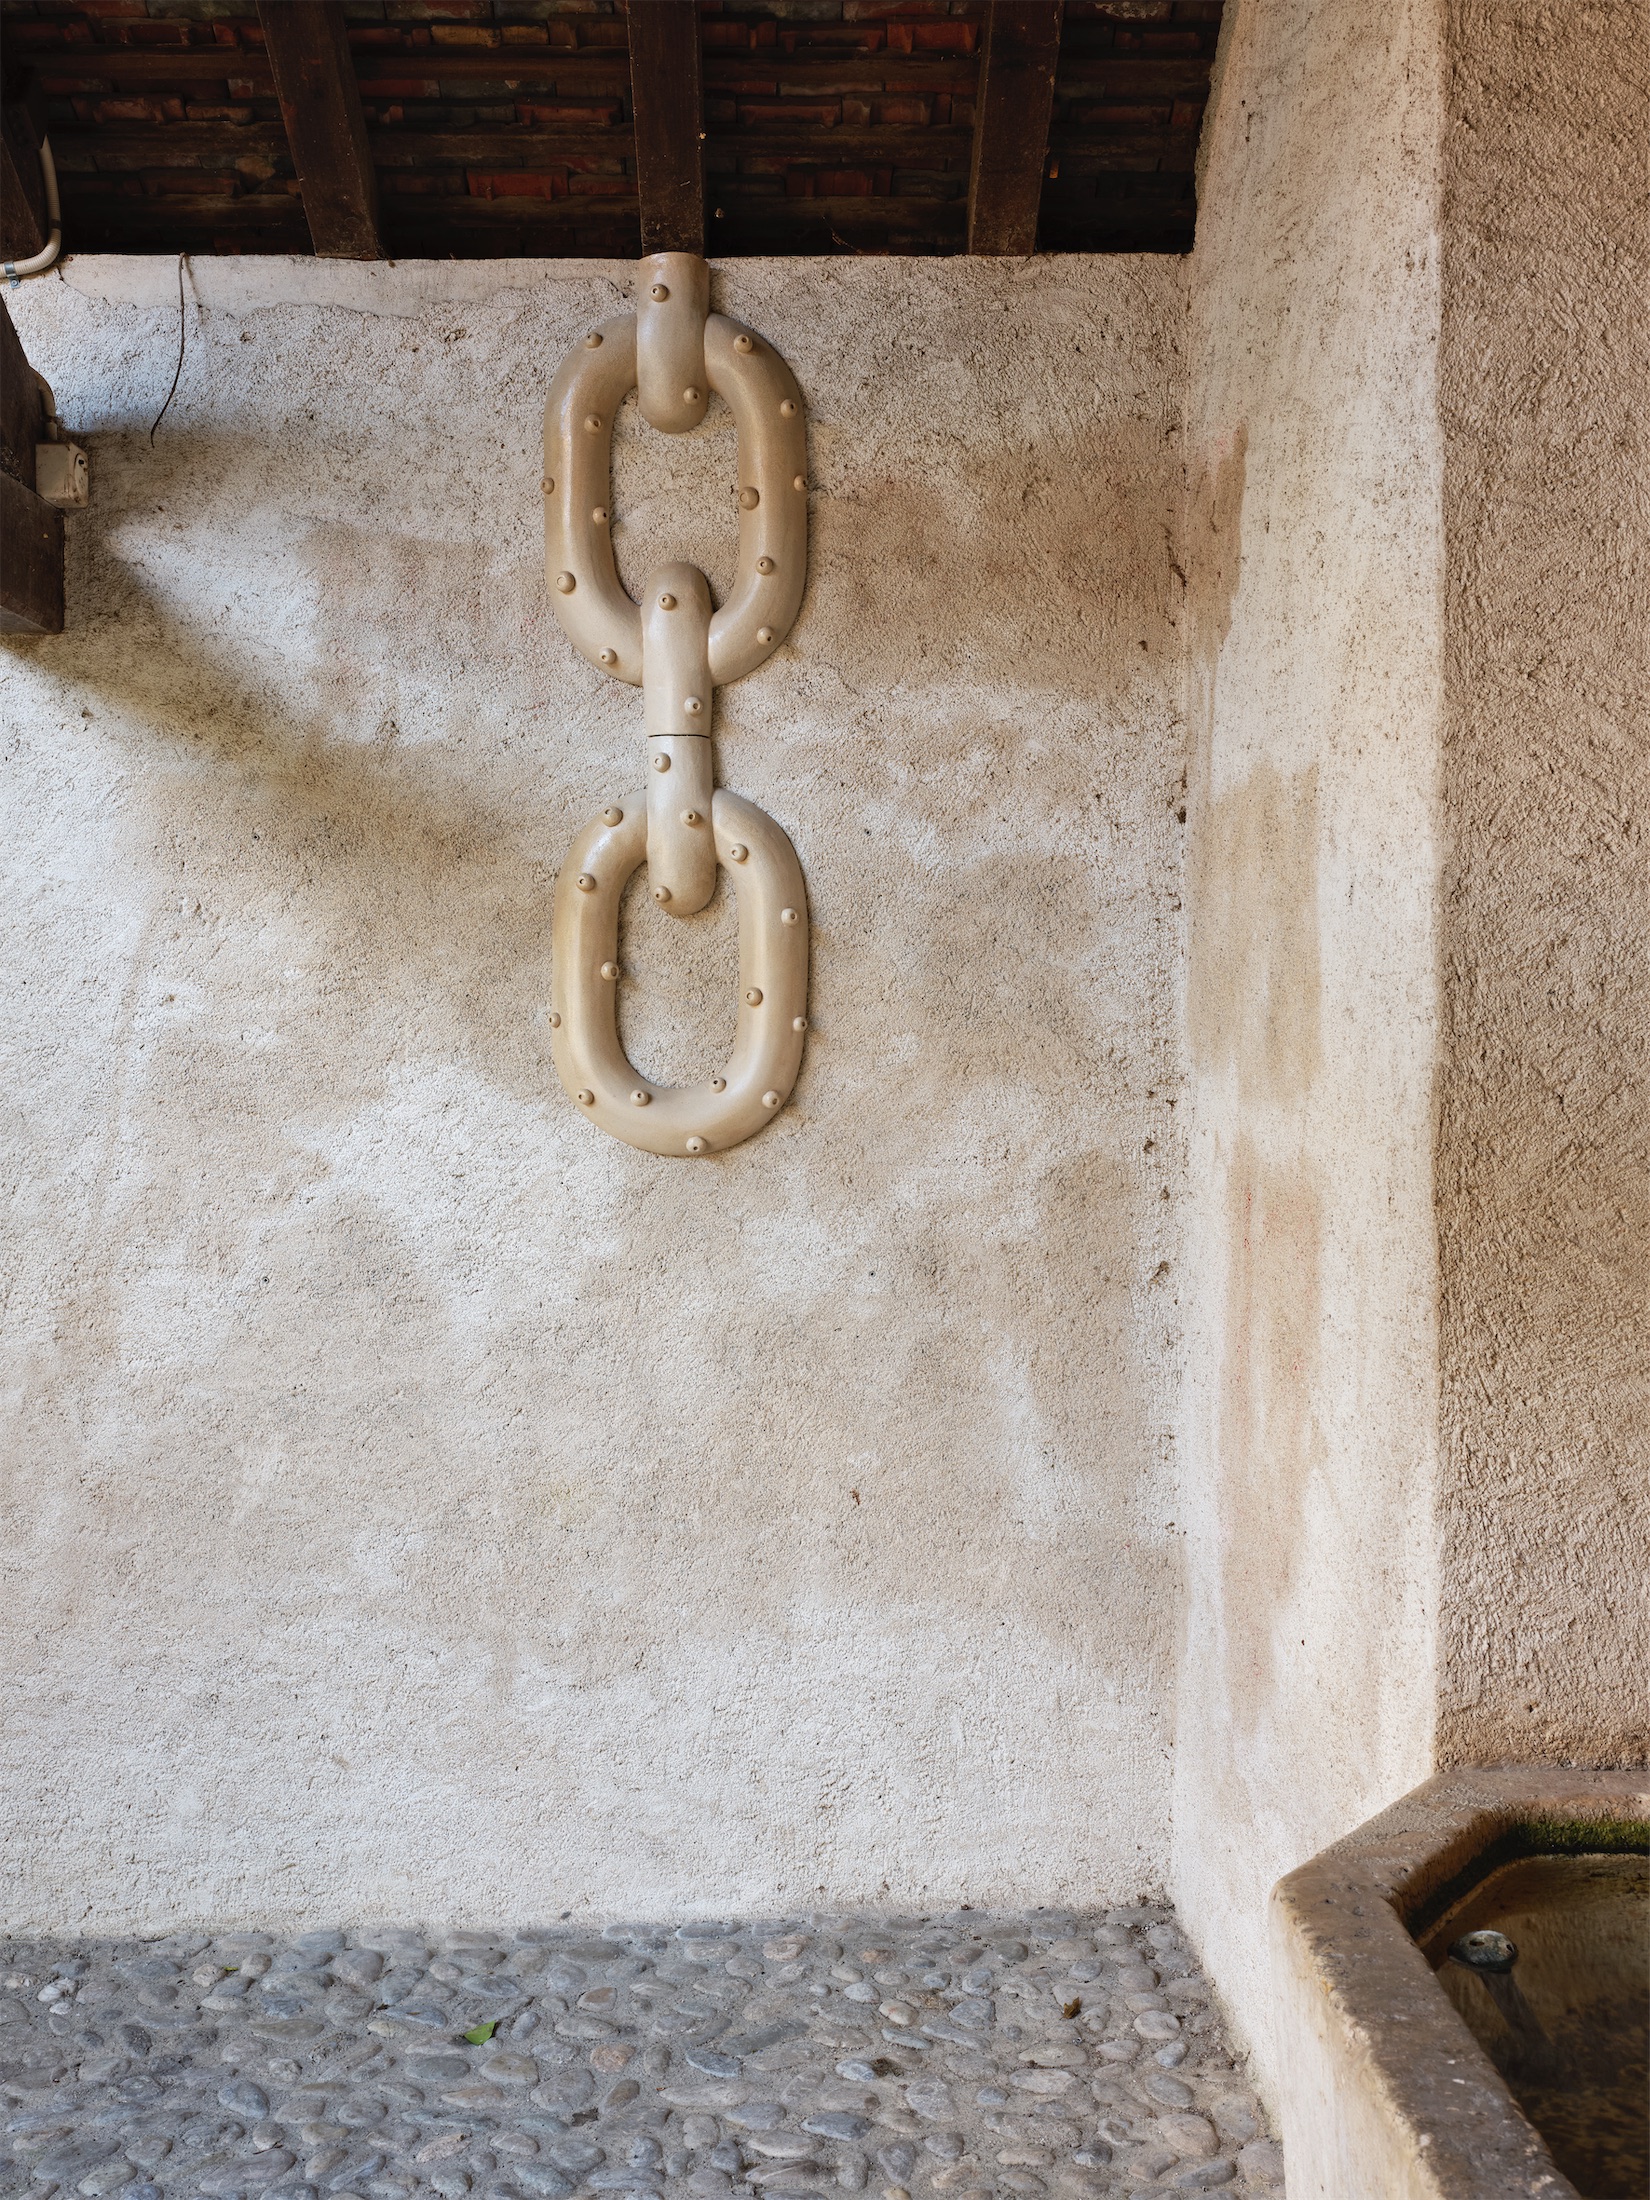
{"x": 1568, "y": 2026}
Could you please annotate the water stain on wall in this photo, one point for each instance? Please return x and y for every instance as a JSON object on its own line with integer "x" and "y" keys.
{"x": 1270, "y": 1441}
{"x": 1253, "y": 985}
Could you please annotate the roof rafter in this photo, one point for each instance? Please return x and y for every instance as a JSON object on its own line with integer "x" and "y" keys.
{"x": 309, "y": 58}
{"x": 1013, "y": 107}
{"x": 668, "y": 107}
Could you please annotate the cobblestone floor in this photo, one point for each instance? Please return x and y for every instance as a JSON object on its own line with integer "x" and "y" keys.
{"x": 971, "y": 2057}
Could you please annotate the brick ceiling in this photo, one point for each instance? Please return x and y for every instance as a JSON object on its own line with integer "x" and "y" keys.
{"x": 502, "y": 127}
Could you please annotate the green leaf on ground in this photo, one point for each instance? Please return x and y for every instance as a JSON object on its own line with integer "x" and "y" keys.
{"x": 482, "y": 2033}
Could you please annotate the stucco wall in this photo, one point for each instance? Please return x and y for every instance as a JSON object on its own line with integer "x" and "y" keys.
{"x": 415, "y": 1502}
{"x": 1314, "y": 546}
{"x": 1544, "y": 1129}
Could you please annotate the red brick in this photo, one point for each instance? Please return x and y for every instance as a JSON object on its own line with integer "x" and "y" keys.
{"x": 155, "y": 34}
{"x": 374, "y": 86}
{"x": 843, "y": 183}
{"x": 601, "y": 115}
{"x": 199, "y": 112}
{"x": 765, "y": 110}
{"x": 906, "y": 110}
{"x": 188, "y": 183}
{"x": 601, "y": 187}
{"x": 150, "y": 109}
{"x": 1119, "y": 118}
{"x": 464, "y": 34}
{"x": 521, "y": 183}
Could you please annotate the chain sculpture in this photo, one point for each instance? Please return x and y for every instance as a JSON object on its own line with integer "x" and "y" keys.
{"x": 673, "y": 352}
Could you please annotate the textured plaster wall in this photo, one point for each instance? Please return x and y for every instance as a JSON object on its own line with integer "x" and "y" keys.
{"x": 415, "y": 1502}
{"x": 1314, "y": 545}
{"x": 1543, "y": 1168}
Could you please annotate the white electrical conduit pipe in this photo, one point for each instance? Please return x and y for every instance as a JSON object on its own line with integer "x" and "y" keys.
{"x": 15, "y": 270}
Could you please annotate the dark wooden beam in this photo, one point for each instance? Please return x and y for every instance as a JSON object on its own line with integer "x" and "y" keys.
{"x": 22, "y": 414}
{"x": 309, "y": 58}
{"x": 31, "y": 530}
{"x": 23, "y": 222}
{"x": 668, "y": 109}
{"x": 31, "y": 561}
{"x": 1011, "y": 117}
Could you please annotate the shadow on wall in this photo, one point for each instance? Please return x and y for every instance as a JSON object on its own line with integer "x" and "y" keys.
{"x": 408, "y": 880}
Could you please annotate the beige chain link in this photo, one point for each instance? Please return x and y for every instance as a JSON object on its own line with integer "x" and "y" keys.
{"x": 675, "y": 353}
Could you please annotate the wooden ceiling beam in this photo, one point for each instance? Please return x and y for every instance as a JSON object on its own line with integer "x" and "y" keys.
{"x": 23, "y": 220}
{"x": 309, "y": 57}
{"x": 1012, "y": 109}
{"x": 668, "y": 107}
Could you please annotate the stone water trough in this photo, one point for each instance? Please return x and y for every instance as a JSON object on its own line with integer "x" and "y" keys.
{"x": 1464, "y": 1994}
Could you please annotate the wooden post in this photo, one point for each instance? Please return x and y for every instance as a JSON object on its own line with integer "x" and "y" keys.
{"x": 668, "y": 110}
{"x": 1011, "y": 118}
{"x": 31, "y": 530}
{"x": 309, "y": 58}
{"x": 23, "y": 223}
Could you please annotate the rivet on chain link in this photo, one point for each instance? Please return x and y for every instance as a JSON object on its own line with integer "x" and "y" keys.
{"x": 661, "y": 893}
{"x": 599, "y": 515}
{"x": 610, "y": 971}
{"x": 555, "y": 1019}
{"x": 738, "y": 852}
{"x": 587, "y": 1099}
{"x": 661, "y": 763}
{"x": 659, "y": 293}
{"x": 547, "y": 484}
{"x": 764, "y": 565}
{"x": 743, "y": 343}
{"x": 640, "y": 1099}
{"x": 787, "y": 916}
{"x": 593, "y": 342}
{"x": 566, "y": 583}
{"x": 753, "y": 995}
{"x": 764, "y": 635}
{"x": 691, "y": 817}
{"x": 667, "y": 603}
{"x": 718, "y": 1084}
{"x": 585, "y": 883}
{"x": 799, "y": 481}
{"x": 695, "y": 1145}
{"x": 691, "y": 396}
{"x": 612, "y": 815}
{"x": 593, "y": 423}
{"x": 770, "y": 1099}
{"x": 787, "y": 408}
{"x": 609, "y": 657}
{"x": 692, "y": 705}
{"x": 799, "y": 1023}
{"x": 749, "y": 499}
